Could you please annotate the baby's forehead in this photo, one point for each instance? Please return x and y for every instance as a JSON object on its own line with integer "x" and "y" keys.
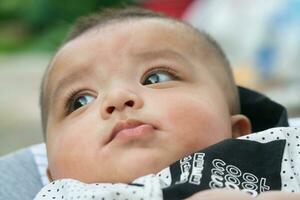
{"x": 137, "y": 35}
{"x": 129, "y": 38}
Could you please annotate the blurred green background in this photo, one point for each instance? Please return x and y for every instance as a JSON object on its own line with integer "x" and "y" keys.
{"x": 40, "y": 25}
{"x": 30, "y": 32}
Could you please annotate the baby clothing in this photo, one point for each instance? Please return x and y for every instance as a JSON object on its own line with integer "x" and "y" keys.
{"x": 255, "y": 163}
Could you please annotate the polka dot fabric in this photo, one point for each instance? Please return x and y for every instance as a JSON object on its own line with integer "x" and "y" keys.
{"x": 290, "y": 167}
{"x": 144, "y": 188}
{"x": 165, "y": 177}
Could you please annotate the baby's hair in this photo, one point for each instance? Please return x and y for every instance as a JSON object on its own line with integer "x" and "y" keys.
{"x": 108, "y": 16}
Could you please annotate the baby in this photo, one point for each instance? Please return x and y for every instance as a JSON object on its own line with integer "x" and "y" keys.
{"x": 132, "y": 91}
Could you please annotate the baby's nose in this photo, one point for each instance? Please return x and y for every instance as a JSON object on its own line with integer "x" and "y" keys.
{"x": 118, "y": 100}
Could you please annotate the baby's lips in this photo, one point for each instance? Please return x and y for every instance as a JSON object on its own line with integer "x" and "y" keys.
{"x": 128, "y": 124}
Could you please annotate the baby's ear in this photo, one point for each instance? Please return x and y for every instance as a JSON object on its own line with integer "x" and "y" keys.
{"x": 49, "y": 175}
{"x": 240, "y": 125}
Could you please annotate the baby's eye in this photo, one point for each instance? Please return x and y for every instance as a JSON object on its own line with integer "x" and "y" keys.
{"x": 80, "y": 101}
{"x": 158, "y": 77}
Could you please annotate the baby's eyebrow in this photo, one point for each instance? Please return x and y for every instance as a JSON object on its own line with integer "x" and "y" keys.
{"x": 160, "y": 53}
{"x": 67, "y": 80}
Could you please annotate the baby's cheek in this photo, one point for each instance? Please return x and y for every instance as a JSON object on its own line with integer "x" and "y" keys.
{"x": 67, "y": 154}
{"x": 198, "y": 123}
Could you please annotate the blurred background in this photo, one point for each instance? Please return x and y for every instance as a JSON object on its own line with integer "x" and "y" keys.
{"x": 260, "y": 38}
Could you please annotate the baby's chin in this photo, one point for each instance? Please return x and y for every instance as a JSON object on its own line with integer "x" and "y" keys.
{"x": 126, "y": 176}
{"x": 122, "y": 169}
{"x": 128, "y": 172}
{"x": 120, "y": 175}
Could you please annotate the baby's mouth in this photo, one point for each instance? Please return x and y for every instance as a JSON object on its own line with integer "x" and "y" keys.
{"x": 130, "y": 129}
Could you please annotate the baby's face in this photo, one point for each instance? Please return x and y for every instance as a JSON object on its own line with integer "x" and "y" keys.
{"x": 129, "y": 99}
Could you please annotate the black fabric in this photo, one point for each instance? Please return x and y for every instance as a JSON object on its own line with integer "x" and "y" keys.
{"x": 262, "y": 111}
{"x": 236, "y": 164}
